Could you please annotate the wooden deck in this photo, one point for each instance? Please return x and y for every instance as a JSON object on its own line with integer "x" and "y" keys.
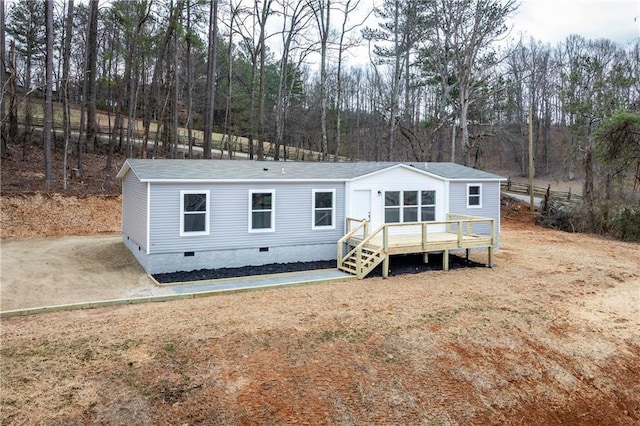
{"x": 364, "y": 250}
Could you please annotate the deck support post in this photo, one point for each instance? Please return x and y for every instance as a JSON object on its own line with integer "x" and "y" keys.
{"x": 468, "y": 255}
{"x": 385, "y": 266}
{"x": 445, "y": 260}
{"x": 490, "y": 256}
{"x": 425, "y": 257}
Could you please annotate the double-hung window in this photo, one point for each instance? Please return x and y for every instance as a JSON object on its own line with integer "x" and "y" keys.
{"x": 262, "y": 211}
{"x": 428, "y": 206}
{"x": 194, "y": 216}
{"x": 324, "y": 209}
{"x": 474, "y": 196}
{"x": 409, "y": 206}
{"x": 392, "y": 207}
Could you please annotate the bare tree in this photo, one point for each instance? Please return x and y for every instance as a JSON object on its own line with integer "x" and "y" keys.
{"x": 90, "y": 76}
{"x": 468, "y": 30}
{"x": 343, "y": 45}
{"x": 66, "y": 112}
{"x": 152, "y": 91}
{"x": 211, "y": 77}
{"x": 262, "y": 16}
{"x": 26, "y": 27}
{"x": 295, "y": 20}
{"x": 47, "y": 130}
{"x": 322, "y": 13}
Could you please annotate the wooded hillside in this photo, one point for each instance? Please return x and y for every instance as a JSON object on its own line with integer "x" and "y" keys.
{"x": 287, "y": 79}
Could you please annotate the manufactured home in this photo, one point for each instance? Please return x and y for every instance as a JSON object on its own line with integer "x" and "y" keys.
{"x": 183, "y": 215}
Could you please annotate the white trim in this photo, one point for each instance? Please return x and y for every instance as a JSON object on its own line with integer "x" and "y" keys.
{"x": 402, "y": 206}
{"x": 275, "y": 181}
{"x": 479, "y": 195}
{"x": 206, "y": 217}
{"x": 313, "y": 209}
{"x": 273, "y": 210}
{"x": 345, "y": 180}
{"x": 446, "y": 201}
{"x": 148, "y": 218}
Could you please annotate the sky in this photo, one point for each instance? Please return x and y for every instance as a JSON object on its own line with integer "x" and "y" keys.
{"x": 551, "y": 21}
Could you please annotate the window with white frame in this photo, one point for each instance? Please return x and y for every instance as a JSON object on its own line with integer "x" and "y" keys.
{"x": 262, "y": 211}
{"x": 392, "y": 207}
{"x": 194, "y": 216}
{"x": 428, "y": 206}
{"x": 409, "y": 206}
{"x": 324, "y": 209}
{"x": 474, "y": 196}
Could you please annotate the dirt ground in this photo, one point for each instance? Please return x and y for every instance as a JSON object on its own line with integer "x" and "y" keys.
{"x": 550, "y": 335}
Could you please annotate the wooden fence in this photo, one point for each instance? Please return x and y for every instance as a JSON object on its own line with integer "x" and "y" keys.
{"x": 523, "y": 188}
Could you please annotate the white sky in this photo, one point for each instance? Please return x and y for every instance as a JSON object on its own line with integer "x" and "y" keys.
{"x": 551, "y": 21}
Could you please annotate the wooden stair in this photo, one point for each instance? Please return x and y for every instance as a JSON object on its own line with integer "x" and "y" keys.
{"x": 362, "y": 260}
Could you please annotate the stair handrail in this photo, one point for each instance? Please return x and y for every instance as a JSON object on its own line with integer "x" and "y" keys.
{"x": 362, "y": 243}
{"x": 364, "y": 223}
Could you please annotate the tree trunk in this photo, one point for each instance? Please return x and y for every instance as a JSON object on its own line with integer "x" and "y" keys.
{"x": 189, "y": 83}
{"x": 464, "y": 126}
{"x": 151, "y": 100}
{"x": 66, "y": 115}
{"x": 589, "y": 196}
{"x": 395, "y": 84}
{"x": 174, "y": 101}
{"x": 112, "y": 130}
{"x": 28, "y": 119}
{"x": 13, "y": 93}
{"x": 47, "y": 128}
{"x": 128, "y": 85}
{"x": 252, "y": 108}
{"x": 324, "y": 23}
{"x": 211, "y": 78}
{"x": 90, "y": 76}
{"x": 227, "y": 113}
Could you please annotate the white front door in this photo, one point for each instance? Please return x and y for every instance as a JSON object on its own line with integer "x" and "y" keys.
{"x": 361, "y": 204}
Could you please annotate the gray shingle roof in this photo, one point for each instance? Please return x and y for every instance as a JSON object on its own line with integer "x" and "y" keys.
{"x": 239, "y": 170}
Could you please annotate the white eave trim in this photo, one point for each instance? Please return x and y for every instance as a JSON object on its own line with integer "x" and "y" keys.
{"x": 240, "y": 180}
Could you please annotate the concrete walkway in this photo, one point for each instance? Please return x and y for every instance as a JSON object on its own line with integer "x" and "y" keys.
{"x": 195, "y": 289}
{"x": 259, "y": 281}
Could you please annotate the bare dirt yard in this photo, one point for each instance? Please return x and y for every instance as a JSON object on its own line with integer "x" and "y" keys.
{"x": 550, "y": 335}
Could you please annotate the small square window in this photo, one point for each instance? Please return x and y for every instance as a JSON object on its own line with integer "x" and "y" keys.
{"x": 474, "y": 196}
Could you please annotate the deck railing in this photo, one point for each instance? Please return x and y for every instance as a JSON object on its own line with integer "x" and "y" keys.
{"x": 394, "y": 238}
{"x": 356, "y": 228}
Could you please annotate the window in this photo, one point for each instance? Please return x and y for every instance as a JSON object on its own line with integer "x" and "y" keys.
{"x": 409, "y": 206}
{"x": 392, "y": 207}
{"x": 324, "y": 209}
{"x": 194, "y": 217}
{"x": 474, "y": 196}
{"x": 428, "y": 204}
{"x": 262, "y": 211}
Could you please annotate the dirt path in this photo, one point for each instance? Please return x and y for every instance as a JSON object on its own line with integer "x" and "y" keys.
{"x": 52, "y": 271}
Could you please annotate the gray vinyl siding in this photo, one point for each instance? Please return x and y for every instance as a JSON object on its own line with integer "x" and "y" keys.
{"x": 229, "y": 216}
{"x": 490, "y": 201}
{"x": 134, "y": 210}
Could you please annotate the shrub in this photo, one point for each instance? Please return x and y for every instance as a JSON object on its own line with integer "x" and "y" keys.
{"x": 625, "y": 224}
